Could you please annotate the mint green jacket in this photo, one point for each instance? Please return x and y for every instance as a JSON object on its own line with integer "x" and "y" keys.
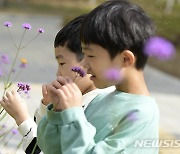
{"x": 113, "y": 123}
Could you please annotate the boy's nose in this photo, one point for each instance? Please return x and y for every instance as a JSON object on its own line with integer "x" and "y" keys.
{"x": 58, "y": 72}
{"x": 84, "y": 63}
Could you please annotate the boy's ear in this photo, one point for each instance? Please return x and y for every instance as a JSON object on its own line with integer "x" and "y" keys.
{"x": 128, "y": 58}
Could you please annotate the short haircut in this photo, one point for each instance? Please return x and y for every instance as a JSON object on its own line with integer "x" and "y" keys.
{"x": 118, "y": 25}
{"x": 69, "y": 36}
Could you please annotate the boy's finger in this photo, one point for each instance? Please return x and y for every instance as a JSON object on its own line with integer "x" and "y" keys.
{"x": 8, "y": 94}
{"x": 5, "y": 99}
{"x": 51, "y": 88}
{"x": 44, "y": 89}
{"x": 66, "y": 90}
{"x": 68, "y": 79}
{"x": 14, "y": 92}
{"x": 56, "y": 84}
{"x": 62, "y": 80}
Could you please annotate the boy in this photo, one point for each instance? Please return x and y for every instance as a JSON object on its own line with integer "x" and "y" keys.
{"x": 68, "y": 53}
{"x": 113, "y": 36}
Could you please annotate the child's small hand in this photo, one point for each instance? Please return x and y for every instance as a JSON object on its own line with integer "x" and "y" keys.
{"x": 15, "y": 107}
{"x": 68, "y": 92}
{"x": 46, "y": 95}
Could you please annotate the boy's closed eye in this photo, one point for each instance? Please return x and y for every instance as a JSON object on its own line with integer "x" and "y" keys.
{"x": 90, "y": 56}
{"x": 62, "y": 64}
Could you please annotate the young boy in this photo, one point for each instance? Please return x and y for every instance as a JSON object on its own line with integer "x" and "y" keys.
{"x": 68, "y": 53}
{"x": 113, "y": 36}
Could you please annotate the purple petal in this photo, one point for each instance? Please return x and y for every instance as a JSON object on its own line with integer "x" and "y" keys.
{"x": 1, "y": 74}
{"x": 41, "y": 30}
{"x": 160, "y": 48}
{"x": 113, "y": 74}
{"x": 132, "y": 116}
{"x": 26, "y": 26}
{"x": 5, "y": 59}
{"x": 8, "y": 24}
{"x": 15, "y": 131}
{"x": 22, "y": 65}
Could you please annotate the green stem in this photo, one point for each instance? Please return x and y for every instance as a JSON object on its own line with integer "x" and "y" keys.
{"x": 30, "y": 41}
{"x": 18, "y": 49}
{"x": 12, "y": 38}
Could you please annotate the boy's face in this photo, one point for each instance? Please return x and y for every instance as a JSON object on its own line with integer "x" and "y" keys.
{"x": 97, "y": 61}
{"x": 66, "y": 60}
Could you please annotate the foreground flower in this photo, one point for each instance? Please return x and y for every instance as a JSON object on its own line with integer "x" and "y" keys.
{"x": 8, "y": 24}
{"x": 23, "y": 87}
{"x": 113, "y": 74}
{"x": 79, "y": 72}
{"x": 26, "y": 26}
{"x": 160, "y": 48}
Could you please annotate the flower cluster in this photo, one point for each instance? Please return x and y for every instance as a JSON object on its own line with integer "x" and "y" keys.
{"x": 23, "y": 87}
{"x": 78, "y": 71}
{"x": 160, "y": 48}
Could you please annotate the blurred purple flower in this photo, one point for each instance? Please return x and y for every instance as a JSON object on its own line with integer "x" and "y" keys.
{"x": 4, "y": 59}
{"x": 41, "y": 30}
{"x": 132, "y": 116}
{"x": 1, "y": 74}
{"x": 15, "y": 131}
{"x": 113, "y": 74}
{"x": 26, "y": 26}
{"x": 160, "y": 48}
{"x": 4, "y": 126}
{"x": 78, "y": 71}
{"x": 8, "y": 24}
{"x": 23, "y": 65}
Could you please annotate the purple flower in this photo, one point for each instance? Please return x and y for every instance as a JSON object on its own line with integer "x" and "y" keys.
{"x": 1, "y": 74}
{"x": 23, "y": 87}
{"x": 8, "y": 24}
{"x": 26, "y": 26}
{"x": 132, "y": 116}
{"x": 41, "y": 30}
{"x": 22, "y": 65}
{"x": 4, "y": 59}
{"x": 78, "y": 71}
{"x": 160, "y": 48}
{"x": 15, "y": 131}
{"x": 113, "y": 74}
{"x": 3, "y": 126}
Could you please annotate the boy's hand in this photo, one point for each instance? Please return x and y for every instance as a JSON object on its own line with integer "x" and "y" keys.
{"x": 46, "y": 95}
{"x": 15, "y": 107}
{"x": 67, "y": 92}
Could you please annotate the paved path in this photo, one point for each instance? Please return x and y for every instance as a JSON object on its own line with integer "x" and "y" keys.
{"x": 42, "y": 69}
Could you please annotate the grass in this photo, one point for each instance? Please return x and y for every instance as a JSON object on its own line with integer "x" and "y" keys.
{"x": 167, "y": 25}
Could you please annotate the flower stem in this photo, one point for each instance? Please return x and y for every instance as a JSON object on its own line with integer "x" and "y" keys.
{"x": 30, "y": 41}
{"x": 7, "y": 82}
{"x": 18, "y": 49}
{"x": 12, "y": 38}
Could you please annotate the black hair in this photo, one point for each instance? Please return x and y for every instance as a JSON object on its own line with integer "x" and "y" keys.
{"x": 69, "y": 36}
{"x": 118, "y": 25}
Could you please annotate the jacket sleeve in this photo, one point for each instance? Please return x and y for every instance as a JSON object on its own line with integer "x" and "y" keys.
{"x": 69, "y": 132}
{"x": 28, "y": 130}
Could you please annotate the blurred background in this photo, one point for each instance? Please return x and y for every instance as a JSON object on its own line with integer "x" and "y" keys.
{"x": 166, "y": 14}
{"x": 163, "y": 77}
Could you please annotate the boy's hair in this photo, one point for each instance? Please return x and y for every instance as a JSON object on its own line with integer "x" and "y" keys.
{"x": 69, "y": 36}
{"x": 118, "y": 25}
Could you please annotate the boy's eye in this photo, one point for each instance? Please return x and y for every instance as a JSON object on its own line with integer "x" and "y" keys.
{"x": 61, "y": 64}
{"x": 90, "y": 56}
